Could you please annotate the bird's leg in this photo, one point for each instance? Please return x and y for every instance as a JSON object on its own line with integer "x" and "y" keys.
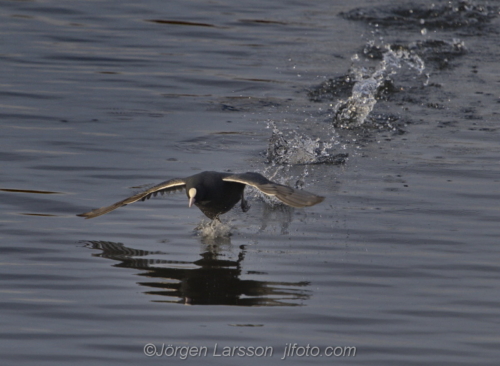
{"x": 216, "y": 219}
{"x": 244, "y": 204}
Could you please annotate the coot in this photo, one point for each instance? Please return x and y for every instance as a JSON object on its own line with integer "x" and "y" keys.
{"x": 216, "y": 193}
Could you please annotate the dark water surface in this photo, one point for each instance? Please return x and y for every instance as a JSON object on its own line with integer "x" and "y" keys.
{"x": 401, "y": 261}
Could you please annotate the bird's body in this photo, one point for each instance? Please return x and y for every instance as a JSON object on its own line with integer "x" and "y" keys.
{"x": 216, "y": 193}
{"x": 214, "y": 196}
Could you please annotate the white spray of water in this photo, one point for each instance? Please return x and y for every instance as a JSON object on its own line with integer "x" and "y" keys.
{"x": 358, "y": 106}
{"x": 292, "y": 148}
{"x": 290, "y": 153}
{"x": 214, "y": 229}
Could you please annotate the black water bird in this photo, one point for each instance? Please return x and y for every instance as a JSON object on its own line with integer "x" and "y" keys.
{"x": 216, "y": 193}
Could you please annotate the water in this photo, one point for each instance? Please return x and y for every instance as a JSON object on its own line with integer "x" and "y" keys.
{"x": 399, "y": 261}
{"x": 355, "y": 110}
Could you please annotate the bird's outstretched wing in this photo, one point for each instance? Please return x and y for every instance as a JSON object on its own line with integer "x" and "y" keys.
{"x": 167, "y": 186}
{"x": 285, "y": 194}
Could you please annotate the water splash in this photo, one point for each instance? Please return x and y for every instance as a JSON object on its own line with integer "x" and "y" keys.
{"x": 369, "y": 84}
{"x": 212, "y": 230}
{"x": 294, "y": 148}
{"x": 291, "y": 153}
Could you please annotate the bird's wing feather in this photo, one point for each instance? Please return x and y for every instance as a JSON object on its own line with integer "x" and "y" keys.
{"x": 167, "y": 186}
{"x": 285, "y": 194}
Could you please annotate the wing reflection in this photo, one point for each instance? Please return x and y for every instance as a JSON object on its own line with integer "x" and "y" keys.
{"x": 207, "y": 281}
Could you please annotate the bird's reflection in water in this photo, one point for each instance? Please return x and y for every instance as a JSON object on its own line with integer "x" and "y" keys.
{"x": 210, "y": 280}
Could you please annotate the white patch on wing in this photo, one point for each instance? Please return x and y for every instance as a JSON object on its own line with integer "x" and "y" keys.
{"x": 259, "y": 187}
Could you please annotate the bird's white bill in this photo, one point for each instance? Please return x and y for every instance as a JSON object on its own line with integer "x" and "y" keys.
{"x": 191, "y": 194}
